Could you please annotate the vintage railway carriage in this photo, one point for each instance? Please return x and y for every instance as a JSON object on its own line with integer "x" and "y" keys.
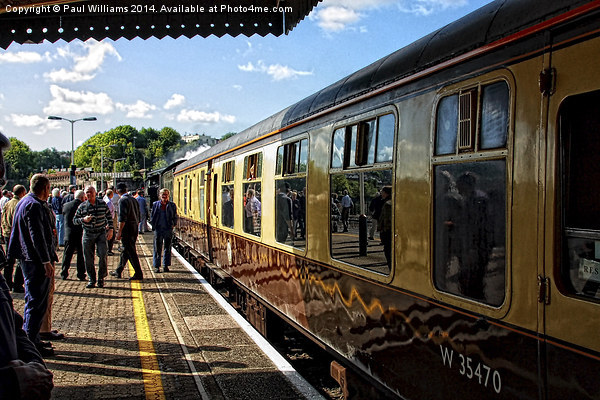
{"x": 487, "y": 133}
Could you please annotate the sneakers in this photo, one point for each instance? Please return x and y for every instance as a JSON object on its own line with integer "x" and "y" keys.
{"x": 115, "y": 274}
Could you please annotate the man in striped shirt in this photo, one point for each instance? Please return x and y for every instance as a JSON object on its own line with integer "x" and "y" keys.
{"x": 97, "y": 223}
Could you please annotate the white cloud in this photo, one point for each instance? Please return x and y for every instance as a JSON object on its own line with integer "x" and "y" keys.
{"x": 41, "y": 125}
{"x": 186, "y": 115}
{"x": 277, "y": 71}
{"x": 87, "y": 59}
{"x": 139, "y": 109}
{"x": 23, "y": 57}
{"x": 238, "y": 87}
{"x": 65, "y": 101}
{"x": 338, "y": 15}
{"x": 175, "y": 101}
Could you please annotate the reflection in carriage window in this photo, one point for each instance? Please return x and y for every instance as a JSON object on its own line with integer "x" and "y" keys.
{"x": 361, "y": 219}
{"x": 252, "y": 195}
{"x": 252, "y": 208}
{"x": 201, "y": 186}
{"x": 579, "y": 124}
{"x": 337, "y": 152}
{"x": 470, "y": 230}
{"x": 385, "y": 138}
{"x": 227, "y": 206}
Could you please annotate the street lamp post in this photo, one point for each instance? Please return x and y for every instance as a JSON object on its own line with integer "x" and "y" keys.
{"x": 102, "y": 162}
{"x": 114, "y": 160}
{"x": 72, "y": 121}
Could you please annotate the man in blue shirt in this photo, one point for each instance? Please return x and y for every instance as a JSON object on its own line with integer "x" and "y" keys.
{"x": 164, "y": 218}
{"x": 31, "y": 242}
{"x": 23, "y": 373}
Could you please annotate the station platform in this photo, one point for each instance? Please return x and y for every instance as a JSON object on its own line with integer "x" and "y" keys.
{"x": 170, "y": 336}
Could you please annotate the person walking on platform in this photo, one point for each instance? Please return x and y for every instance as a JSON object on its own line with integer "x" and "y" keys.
{"x": 73, "y": 237}
{"x": 23, "y": 373}
{"x": 97, "y": 223}
{"x": 143, "y": 227}
{"x": 113, "y": 211}
{"x": 31, "y": 241}
{"x": 15, "y": 282}
{"x": 129, "y": 218}
{"x": 163, "y": 219}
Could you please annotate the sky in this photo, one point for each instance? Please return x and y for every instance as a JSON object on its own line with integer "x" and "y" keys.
{"x": 201, "y": 85}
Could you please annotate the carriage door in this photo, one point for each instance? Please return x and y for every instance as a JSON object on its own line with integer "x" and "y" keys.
{"x": 570, "y": 282}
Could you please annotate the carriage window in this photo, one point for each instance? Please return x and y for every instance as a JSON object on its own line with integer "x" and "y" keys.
{"x": 385, "y": 138}
{"x": 252, "y": 195}
{"x": 447, "y": 126}
{"x": 228, "y": 171}
{"x": 201, "y": 195}
{"x": 290, "y": 211}
{"x": 337, "y": 153}
{"x": 253, "y": 166}
{"x": 361, "y": 219}
{"x": 292, "y": 158}
{"x": 494, "y": 116}
{"x": 579, "y": 124}
{"x": 290, "y": 193}
{"x": 185, "y": 195}
{"x": 475, "y": 112}
{"x": 227, "y": 194}
{"x": 470, "y": 230}
{"x": 365, "y": 143}
{"x": 360, "y": 213}
{"x": 190, "y": 195}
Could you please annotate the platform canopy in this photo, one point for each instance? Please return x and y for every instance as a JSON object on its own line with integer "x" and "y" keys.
{"x": 32, "y": 21}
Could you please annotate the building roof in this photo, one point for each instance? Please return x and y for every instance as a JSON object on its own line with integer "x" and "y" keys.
{"x": 32, "y": 21}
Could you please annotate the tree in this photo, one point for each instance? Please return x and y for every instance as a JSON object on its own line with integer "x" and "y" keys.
{"x": 228, "y": 135}
{"x": 19, "y": 161}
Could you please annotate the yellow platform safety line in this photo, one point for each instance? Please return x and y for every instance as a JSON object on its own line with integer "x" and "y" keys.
{"x": 150, "y": 369}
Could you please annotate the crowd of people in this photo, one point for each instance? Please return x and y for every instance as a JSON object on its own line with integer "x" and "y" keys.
{"x": 85, "y": 224}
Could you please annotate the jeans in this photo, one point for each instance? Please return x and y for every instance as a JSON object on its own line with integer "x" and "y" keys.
{"x": 91, "y": 242}
{"x": 37, "y": 287}
{"x": 60, "y": 228}
{"x": 160, "y": 238}
{"x": 142, "y": 227}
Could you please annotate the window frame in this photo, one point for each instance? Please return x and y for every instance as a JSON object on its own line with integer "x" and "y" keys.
{"x": 363, "y": 117}
{"x": 359, "y": 122}
{"x": 258, "y": 161}
{"x": 227, "y": 179}
{"x": 476, "y": 155}
{"x": 282, "y": 173}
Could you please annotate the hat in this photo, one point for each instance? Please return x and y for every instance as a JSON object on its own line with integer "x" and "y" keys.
{"x": 121, "y": 187}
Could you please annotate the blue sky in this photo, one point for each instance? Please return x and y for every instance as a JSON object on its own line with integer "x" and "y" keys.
{"x": 202, "y": 85}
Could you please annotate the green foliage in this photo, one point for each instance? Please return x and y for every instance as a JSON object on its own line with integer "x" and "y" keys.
{"x": 19, "y": 160}
{"x": 228, "y": 135}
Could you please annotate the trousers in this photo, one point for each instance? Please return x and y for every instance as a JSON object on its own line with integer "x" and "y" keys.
{"x": 73, "y": 246}
{"x": 162, "y": 238}
{"x": 91, "y": 242}
{"x": 129, "y": 253}
{"x": 37, "y": 287}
